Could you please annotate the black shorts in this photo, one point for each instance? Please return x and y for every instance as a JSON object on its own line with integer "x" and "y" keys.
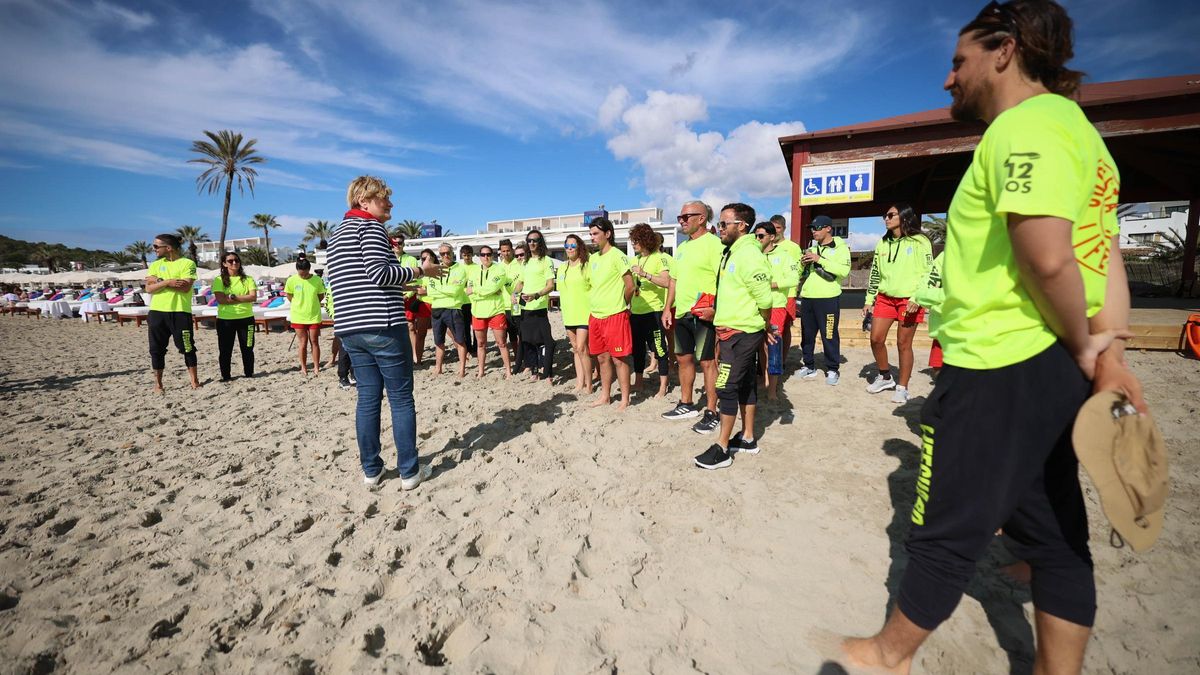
{"x": 695, "y": 336}
{"x": 737, "y": 371}
{"x": 996, "y": 452}
{"x": 449, "y": 318}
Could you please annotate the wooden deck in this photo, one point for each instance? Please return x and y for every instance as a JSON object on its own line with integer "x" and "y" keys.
{"x": 1153, "y": 329}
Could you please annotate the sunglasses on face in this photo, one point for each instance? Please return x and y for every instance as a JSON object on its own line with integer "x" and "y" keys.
{"x": 533, "y": 241}
{"x": 520, "y": 255}
{"x": 724, "y": 224}
{"x": 889, "y": 216}
{"x": 761, "y": 235}
{"x": 233, "y": 262}
{"x": 683, "y": 217}
{"x": 571, "y": 247}
{"x": 485, "y": 254}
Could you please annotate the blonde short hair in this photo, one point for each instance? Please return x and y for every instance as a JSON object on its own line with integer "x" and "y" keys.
{"x": 366, "y": 187}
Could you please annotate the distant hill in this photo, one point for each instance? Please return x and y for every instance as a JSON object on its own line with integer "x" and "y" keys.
{"x": 15, "y": 253}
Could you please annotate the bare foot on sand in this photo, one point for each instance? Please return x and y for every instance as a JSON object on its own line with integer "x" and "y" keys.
{"x": 602, "y": 400}
{"x": 862, "y": 655}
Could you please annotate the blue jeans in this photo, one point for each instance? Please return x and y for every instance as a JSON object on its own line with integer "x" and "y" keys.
{"x": 383, "y": 358}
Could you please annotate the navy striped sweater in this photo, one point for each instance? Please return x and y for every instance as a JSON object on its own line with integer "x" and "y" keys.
{"x": 364, "y": 276}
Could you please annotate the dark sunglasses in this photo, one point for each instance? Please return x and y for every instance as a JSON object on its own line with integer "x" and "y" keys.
{"x": 232, "y": 261}
{"x": 533, "y": 241}
{"x": 520, "y": 255}
{"x": 1001, "y": 12}
{"x": 761, "y": 235}
{"x": 485, "y": 254}
{"x": 683, "y": 217}
{"x": 889, "y": 216}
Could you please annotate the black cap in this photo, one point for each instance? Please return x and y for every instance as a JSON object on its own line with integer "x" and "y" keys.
{"x": 820, "y": 223}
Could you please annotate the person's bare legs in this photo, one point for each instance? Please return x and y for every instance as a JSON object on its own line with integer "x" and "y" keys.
{"x": 158, "y": 387}
{"x": 461, "y": 347}
{"x": 419, "y": 342}
{"x": 604, "y": 362}
{"x": 195, "y": 377}
{"x": 480, "y": 351}
{"x": 687, "y": 377}
{"x": 585, "y": 355}
{"x": 726, "y": 430}
{"x": 439, "y": 357}
{"x": 710, "y": 382}
{"x": 302, "y": 349}
{"x": 748, "y": 411}
{"x": 1060, "y": 645}
{"x": 879, "y": 334}
{"x": 314, "y": 338}
{"x": 890, "y": 650}
{"x": 577, "y": 358}
{"x": 500, "y": 337}
{"x": 904, "y": 340}
{"x": 335, "y": 346}
{"x": 623, "y": 368}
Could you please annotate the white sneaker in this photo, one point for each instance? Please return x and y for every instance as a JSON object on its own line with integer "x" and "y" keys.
{"x": 900, "y": 395}
{"x": 880, "y": 384}
{"x": 832, "y": 377}
{"x": 806, "y": 373}
{"x": 373, "y": 482}
{"x": 423, "y": 473}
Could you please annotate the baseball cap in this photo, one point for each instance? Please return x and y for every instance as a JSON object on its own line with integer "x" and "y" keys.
{"x": 1124, "y": 455}
{"x": 820, "y": 223}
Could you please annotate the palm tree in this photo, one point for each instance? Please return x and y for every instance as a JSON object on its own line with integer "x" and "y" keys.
{"x": 140, "y": 249}
{"x": 265, "y": 222}
{"x": 227, "y": 159}
{"x": 319, "y": 230}
{"x": 410, "y": 229}
{"x": 45, "y": 256}
{"x": 254, "y": 255}
{"x": 190, "y": 235}
{"x": 935, "y": 229}
{"x": 1171, "y": 249}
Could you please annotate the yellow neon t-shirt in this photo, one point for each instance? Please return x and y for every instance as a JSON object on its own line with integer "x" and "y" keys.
{"x": 306, "y": 303}
{"x": 237, "y": 286}
{"x": 606, "y": 273}
{"x": 171, "y": 299}
{"x": 1040, "y": 158}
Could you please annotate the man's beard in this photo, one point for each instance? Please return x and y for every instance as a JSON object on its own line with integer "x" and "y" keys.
{"x": 968, "y": 107}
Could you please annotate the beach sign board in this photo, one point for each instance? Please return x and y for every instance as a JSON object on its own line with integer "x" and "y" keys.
{"x": 840, "y": 183}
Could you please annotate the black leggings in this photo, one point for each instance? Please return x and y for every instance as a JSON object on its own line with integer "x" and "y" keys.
{"x": 648, "y": 334}
{"x": 243, "y": 331}
{"x": 167, "y": 325}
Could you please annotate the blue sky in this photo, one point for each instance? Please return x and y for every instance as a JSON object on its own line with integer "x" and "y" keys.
{"x": 472, "y": 110}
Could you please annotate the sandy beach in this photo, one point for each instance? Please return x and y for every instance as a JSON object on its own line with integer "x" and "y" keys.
{"x": 227, "y": 529}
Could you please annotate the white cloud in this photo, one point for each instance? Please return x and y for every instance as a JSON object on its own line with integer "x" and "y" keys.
{"x": 147, "y": 106}
{"x": 680, "y": 162}
{"x": 521, "y": 67}
{"x": 294, "y": 224}
{"x": 862, "y": 241}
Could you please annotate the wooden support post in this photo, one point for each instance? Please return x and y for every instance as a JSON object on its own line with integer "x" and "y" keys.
{"x": 801, "y": 215}
{"x": 1187, "y": 281}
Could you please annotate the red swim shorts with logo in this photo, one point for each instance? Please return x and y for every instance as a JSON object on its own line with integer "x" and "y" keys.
{"x": 610, "y": 334}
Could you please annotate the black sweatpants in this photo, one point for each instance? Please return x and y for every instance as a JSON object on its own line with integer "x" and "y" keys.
{"x": 241, "y": 330}
{"x": 737, "y": 371}
{"x": 996, "y": 452}
{"x": 345, "y": 370}
{"x": 514, "y": 341}
{"x": 820, "y": 315}
{"x": 167, "y": 325}
{"x": 648, "y": 334}
{"x": 470, "y": 339}
{"x": 537, "y": 342}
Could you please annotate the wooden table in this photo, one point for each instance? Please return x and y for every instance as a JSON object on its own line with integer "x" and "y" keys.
{"x": 100, "y": 315}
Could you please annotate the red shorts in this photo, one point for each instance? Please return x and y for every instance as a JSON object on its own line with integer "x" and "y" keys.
{"x": 791, "y": 307}
{"x": 887, "y": 307}
{"x": 310, "y": 326}
{"x": 415, "y": 308}
{"x": 782, "y": 318}
{"x": 497, "y": 322}
{"x": 935, "y": 355}
{"x": 610, "y": 334}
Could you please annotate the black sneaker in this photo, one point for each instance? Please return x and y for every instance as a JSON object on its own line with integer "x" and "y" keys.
{"x": 741, "y": 445}
{"x": 682, "y": 411}
{"x": 345, "y": 384}
{"x": 714, "y": 458}
{"x": 708, "y": 423}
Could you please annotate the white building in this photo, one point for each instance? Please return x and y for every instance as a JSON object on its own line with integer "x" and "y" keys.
{"x": 206, "y": 251}
{"x": 574, "y": 220}
{"x": 1148, "y": 225}
{"x": 555, "y": 236}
